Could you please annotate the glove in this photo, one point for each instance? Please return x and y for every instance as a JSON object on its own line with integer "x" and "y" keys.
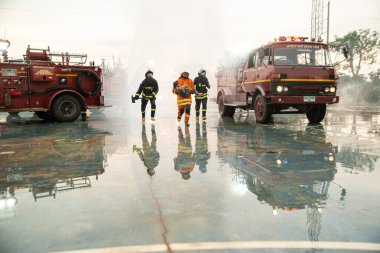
{"x": 137, "y": 96}
{"x": 184, "y": 94}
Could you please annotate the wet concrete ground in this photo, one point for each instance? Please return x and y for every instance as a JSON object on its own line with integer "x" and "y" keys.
{"x": 225, "y": 186}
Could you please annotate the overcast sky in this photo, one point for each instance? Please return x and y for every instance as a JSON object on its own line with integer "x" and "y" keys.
{"x": 168, "y": 35}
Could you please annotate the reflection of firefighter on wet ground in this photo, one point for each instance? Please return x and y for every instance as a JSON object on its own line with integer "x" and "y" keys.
{"x": 184, "y": 162}
{"x": 201, "y": 147}
{"x": 148, "y": 153}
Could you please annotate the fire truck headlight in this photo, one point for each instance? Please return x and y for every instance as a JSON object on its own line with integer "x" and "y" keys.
{"x": 331, "y": 158}
{"x": 279, "y": 88}
{"x": 286, "y": 89}
{"x": 8, "y": 202}
{"x": 327, "y": 89}
{"x": 332, "y": 89}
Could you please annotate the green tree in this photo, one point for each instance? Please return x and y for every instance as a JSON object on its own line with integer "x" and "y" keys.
{"x": 364, "y": 47}
{"x": 374, "y": 77}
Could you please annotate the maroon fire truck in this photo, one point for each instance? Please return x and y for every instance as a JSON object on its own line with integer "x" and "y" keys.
{"x": 56, "y": 86}
{"x": 289, "y": 75}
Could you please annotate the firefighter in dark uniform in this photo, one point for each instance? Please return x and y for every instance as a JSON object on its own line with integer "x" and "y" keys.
{"x": 148, "y": 153}
{"x": 148, "y": 90}
{"x": 201, "y": 148}
{"x": 184, "y": 162}
{"x": 201, "y": 85}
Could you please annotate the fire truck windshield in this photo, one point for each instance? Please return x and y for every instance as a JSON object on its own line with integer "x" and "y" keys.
{"x": 302, "y": 55}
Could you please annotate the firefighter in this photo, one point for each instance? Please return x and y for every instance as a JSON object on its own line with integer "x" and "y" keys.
{"x": 148, "y": 90}
{"x": 201, "y": 148}
{"x": 201, "y": 85}
{"x": 148, "y": 153}
{"x": 183, "y": 88}
{"x": 184, "y": 162}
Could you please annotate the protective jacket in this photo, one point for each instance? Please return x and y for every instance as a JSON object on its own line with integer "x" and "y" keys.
{"x": 148, "y": 88}
{"x": 183, "y": 88}
{"x": 201, "y": 85}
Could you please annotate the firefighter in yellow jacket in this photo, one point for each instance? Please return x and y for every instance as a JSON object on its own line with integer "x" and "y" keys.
{"x": 183, "y": 88}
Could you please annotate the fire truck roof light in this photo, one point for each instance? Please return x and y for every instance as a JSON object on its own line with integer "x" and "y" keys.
{"x": 293, "y": 38}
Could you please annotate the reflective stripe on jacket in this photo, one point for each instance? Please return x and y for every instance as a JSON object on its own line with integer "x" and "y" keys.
{"x": 201, "y": 85}
{"x": 148, "y": 88}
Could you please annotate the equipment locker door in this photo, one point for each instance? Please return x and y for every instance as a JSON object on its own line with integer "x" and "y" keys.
{"x": 14, "y": 85}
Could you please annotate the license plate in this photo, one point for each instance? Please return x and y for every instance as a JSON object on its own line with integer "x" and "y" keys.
{"x": 309, "y": 98}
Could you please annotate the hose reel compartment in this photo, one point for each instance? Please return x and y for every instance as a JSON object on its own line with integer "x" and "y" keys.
{"x": 79, "y": 81}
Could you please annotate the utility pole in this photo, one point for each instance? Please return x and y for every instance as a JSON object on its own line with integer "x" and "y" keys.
{"x": 320, "y": 20}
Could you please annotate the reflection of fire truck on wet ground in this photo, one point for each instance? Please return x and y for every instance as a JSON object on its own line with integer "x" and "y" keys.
{"x": 282, "y": 166}
{"x": 57, "y": 86}
{"x": 284, "y": 169}
{"x": 290, "y": 73}
{"x": 50, "y": 162}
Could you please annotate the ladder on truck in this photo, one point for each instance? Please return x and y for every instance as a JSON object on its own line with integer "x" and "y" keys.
{"x": 44, "y": 55}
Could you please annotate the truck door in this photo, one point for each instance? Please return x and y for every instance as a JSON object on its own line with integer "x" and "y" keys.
{"x": 262, "y": 65}
{"x": 249, "y": 75}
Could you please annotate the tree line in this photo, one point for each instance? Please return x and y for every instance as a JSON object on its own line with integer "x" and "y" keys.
{"x": 360, "y": 73}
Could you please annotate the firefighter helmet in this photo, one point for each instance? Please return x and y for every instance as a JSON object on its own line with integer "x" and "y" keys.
{"x": 148, "y": 72}
{"x": 185, "y": 175}
{"x": 201, "y": 71}
{"x": 185, "y": 74}
{"x": 202, "y": 169}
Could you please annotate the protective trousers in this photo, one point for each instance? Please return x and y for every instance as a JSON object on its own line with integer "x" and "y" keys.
{"x": 198, "y": 103}
{"x": 184, "y": 109}
{"x": 144, "y": 102}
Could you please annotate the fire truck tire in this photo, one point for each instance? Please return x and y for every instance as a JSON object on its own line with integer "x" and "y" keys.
{"x": 263, "y": 111}
{"x": 225, "y": 110}
{"x": 316, "y": 113}
{"x": 45, "y": 115}
{"x": 66, "y": 108}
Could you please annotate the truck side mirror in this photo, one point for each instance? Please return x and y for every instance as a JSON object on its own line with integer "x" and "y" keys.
{"x": 345, "y": 52}
{"x": 261, "y": 53}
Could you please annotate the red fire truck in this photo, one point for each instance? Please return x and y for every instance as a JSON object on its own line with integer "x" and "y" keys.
{"x": 56, "y": 86}
{"x": 289, "y": 75}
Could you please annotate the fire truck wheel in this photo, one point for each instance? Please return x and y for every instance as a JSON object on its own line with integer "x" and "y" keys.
{"x": 44, "y": 115}
{"x": 225, "y": 110}
{"x": 263, "y": 111}
{"x": 316, "y": 113}
{"x": 66, "y": 108}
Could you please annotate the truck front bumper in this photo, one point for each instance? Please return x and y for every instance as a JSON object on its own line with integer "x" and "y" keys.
{"x": 303, "y": 100}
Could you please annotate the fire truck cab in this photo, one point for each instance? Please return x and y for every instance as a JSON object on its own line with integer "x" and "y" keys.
{"x": 289, "y": 73}
{"x": 56, "y": 86}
